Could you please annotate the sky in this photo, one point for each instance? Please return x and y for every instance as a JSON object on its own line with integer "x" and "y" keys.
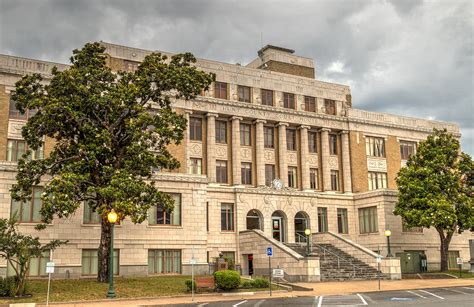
{"x": 406, "y": 57}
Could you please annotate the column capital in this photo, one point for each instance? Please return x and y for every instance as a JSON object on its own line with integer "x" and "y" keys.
{"x": 325, "y": 130}
{"x": 212, "y": 114}
{"x": 344, "y": 132}
{"x": 236, "y": 118}
{"x": 188, "y": 111}
{"x": 304, "y": 127}
{"x": 260, "y": 121}
{"x": 283, "y": 124}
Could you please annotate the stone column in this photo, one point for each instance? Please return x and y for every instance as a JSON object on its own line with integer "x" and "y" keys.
{"x": 259, "y": 152}
{"x": 211, "y": 148}
{"x": 236, "y": 162}
{"x": 346, "y": 162}
{"x": 304, "y": 152}
{"x": 187, "y": 113}
{"x": 326, "y": 171}
{"x": 282, "y": 154}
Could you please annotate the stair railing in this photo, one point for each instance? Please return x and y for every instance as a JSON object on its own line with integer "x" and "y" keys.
{"x": 303, "y": 239}
{"x": 339, "y": 258}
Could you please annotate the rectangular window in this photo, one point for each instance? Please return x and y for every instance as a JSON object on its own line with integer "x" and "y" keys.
{"x": 37, "y": 266}
{"x": 195, "y": 129}
{"x": 221, "y": 132}
{"x": 164, "y": 261}
{"x": 90, "y": 261}
{"x": 322, "y": 219}
{"x": 227, "y": 217}
{"x": 195, "y": 166}
{"x": 452, "y": 262}
{"x": 289, "y": 101}
{"x": 333, "y": 144}
{"x": 17, "y": 148}
{"x": 292, "y": 178}
{"x": 220, "y": 90}
{"x": 407, "y": 149}
{"x": 90, "y": 216}
{"x": 246, "y": 173}
{"x": 342, "y": 223}
{"x": 405, "y": 228}
{"x": 313, "y": 179}
{"x": 374, "y": 146}
{"x": 245, "y": 135}
{"x": 334, "y": 180}
{"x": 309, "y": 104}
{"x": 267, "y": 97}
{"x": 130, "y": 66}
{"x": 330, "y": 106}
{"x": 368, "y": 220}
{"x": 13, "y": 111}
{"x": 243, "y": 93}
{"x": 28, "y": 211}
{"x": 291, "y": 139}
{"x": 157, "y": 215}
{"x": 269, "y": 174}
{"x": 269, "y": 137}
{"x": 377, "y": 180}
{"x": 221, "y": 171}
{"x": 312, "y": 142}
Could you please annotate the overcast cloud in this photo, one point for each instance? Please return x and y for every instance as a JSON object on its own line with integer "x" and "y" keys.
{"x": 405, "y": 57}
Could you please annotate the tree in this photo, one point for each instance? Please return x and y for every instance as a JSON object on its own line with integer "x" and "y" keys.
{"x": 110, "y": 131}
{"x": 435, "y": 189}
{"x": 18, "y": 249}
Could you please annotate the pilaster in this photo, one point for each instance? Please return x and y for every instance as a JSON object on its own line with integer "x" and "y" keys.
{"x": 304, "y": 157}
{"x": 326, "y": 171}
{"x": 259, "y": 152}
{"x": 211, "y": 142}
{"x": 282, "y": 153}
{"x": 236, "y": 161}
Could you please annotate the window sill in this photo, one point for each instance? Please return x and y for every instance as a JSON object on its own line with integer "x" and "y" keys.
{"x": 165, "y": 226}
{"x": 369, "y": 233}
{"x": 90, "y": 224}
{"x": 227, "y": 231}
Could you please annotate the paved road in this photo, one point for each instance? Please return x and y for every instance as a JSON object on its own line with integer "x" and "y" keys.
{"x": 453, "y": 296}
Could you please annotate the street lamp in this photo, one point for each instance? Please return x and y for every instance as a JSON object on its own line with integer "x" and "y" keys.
{"x": 388, "y": 233}
{"x": 307, "y": 232}
{"x": 112, "y": 218}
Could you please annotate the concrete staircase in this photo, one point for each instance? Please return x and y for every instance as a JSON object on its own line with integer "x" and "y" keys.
{"x": 337, "y": 265}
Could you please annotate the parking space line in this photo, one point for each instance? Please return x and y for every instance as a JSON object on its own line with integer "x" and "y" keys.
{"x": 453, "y": 290}
{"x": 203, "y": 304}
{"x": 315, "y": 303}
{"x": 362, "y": 299}
{"x": 239, "y": 303}
{"x": 369, "y": 299}
{"x": 259, "y": 303}
{"x": 441, "y": 298}
{"x": 417, "y": 294}
{"x": 320, "y": 301}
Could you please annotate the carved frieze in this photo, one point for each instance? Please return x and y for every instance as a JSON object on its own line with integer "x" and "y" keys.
{"x": 195, "y": 150}
{"x": 14, "y": 129}
{"x": 221, "y": 152}
{"x": 313, "y": 160}
{"x": 246, "y": 154}
{"x": 333, "y": 162}
{"x": 269, "y": 156}
{"x": 376, "y": 164}
{"x": 292, "y": 159}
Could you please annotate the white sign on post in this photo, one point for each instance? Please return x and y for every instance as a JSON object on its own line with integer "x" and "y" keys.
{"x": 459, "y": 260}
{"x": 49, "y": 267}
{"x": 278, "y": 273}
{"x": 192, "y": 261}
{"x": 378, "y": 259}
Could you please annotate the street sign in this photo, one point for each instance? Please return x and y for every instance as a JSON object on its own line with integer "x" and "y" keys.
{"x": 49, "y": 267}
{"x": 278, "y": 273}
{"x": 378, "y": 259}
{"x": 269, "y": 251}
{"x": 459, "y": 260}
{"x": 192, "y": 261}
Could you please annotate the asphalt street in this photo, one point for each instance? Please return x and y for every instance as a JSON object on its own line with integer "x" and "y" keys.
{"x": 453, "y": 296}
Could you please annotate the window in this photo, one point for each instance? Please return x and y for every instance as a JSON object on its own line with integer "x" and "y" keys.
{"x": 221, "y": 171}
{"x": 291, "y": 139}
{"x": 377, "y": 181}
{"x": 221, "y": 132}
{"x": 90, "y": 262}
{"x": 267, "y": 97}
{"x": 28, "y": 211}
{"x": 195, "y": 129}
{"x": 15, "y": 114}
{"x": 313, "y": 178}
{"x": 330, "y": 106}
{"x": 269, "y": 174}
{"x": 375, "y": 147}
{"x": 245, "y": 138}
{"x": 334, "y": 180}
{"x": 246, "y": 173}
{"x": 368, "y": 220}
{"x": 17, "y": 148}
{"x": 312, "y": 142}
{"x": 289, "y": 101}
{"x": 243, "y": 93}
{"x": 269, "y": 137}
{"x": 292, "y": 182}
{"x": 309, "y": 104}
{"x": 407, "y": 149}
{"x": 90, "y": 216}
{"x": 333, "y": 144}
{"x": 452, "y": 262}
{"x": 157, "y": 215}
{"x": 405, "y": 228}
{"x": 195, "y": 166}
{"x": 161, "y": 261}
{"x": 342, "y": 224}
{"x": 322, "y": 219}
{"x": 227, "y": 217}
{"x": 220, "y": 90}
{"x": 37, "y": 266}
{"x": 130, "y": 66}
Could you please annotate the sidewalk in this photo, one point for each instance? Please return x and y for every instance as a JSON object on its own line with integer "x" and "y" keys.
{"x": 326, "y": 288}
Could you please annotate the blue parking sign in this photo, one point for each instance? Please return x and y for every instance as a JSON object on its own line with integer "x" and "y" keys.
{"x": 269, "y": 251}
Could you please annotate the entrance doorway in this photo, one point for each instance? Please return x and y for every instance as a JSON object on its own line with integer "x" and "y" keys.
{"x": 278, "y": 226}
{"x": 250, "y": 264}
{"x": 301, "y": 224}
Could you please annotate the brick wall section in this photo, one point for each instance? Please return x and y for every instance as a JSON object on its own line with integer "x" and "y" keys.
{"x": 178, "y": 151}
{"x": 4, "y": 103}
{"x": 115, "y": 64}
{"x": 291, "y": 69}
{"x": 359, "y": 163}
{"x": 392, "y": 148}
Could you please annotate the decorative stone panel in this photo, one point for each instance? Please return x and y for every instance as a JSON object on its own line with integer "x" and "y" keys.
{"x": 313, "y": 160}
{"x": 246, "y": 154}
{"x": 14, "y": 129}
{"x": 195, "y": 149}
{"x": 221, "y": 152}
{"x": 269, "y": 155}
{"x": 333, "y": 162}
{"x": 376, "y": 164}
{"x": 292, "y": 158}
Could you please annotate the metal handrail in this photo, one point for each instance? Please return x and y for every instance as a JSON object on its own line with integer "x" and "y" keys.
{"x": 339, "y": 257}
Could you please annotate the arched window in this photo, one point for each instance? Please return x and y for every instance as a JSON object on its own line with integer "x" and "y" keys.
{"x": 279, "y": 226}
{"x": 254, "y": 220}
{"x": 301, "y": 223}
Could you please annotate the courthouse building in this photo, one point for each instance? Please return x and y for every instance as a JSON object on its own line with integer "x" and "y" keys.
{"x": 269, "y": 152}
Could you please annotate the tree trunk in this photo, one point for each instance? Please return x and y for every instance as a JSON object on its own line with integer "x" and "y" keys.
{"x": 445, "y": 240}
{"x": 104, "y": 248}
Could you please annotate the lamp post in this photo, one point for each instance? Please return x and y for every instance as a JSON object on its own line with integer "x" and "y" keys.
{"x": 307, "y": 232}
{"x": 112, "y": 218}
{"x": 388, "y": 233}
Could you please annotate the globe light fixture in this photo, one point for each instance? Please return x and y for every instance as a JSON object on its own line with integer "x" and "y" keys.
{"x": 388, "y": 233}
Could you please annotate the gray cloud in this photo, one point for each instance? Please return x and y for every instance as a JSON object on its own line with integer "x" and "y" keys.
{"x": 406, "y": 57}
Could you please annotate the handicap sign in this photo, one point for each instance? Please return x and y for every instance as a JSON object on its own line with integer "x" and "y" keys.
{"x": 269, "y": 251}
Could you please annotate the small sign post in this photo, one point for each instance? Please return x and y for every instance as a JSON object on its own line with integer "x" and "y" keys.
{"x": 459, "y": 262}
{"x": 270, "y": 255}
{"x": 192, "y": 262}
{"x": 378, "y": 259}
{"x": 49, "y": 270}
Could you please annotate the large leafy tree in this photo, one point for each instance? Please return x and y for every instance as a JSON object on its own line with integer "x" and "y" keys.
{"x": 436, "y": 189}
{"x": 108, "y": 138}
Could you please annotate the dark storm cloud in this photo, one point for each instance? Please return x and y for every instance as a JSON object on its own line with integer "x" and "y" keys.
{"x": 401, "y": 56}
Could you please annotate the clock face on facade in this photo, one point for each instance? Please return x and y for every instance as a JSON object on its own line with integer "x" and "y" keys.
{"x": 277, "y": 184}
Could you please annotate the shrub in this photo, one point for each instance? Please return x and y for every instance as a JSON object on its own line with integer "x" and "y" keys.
{"x": 247, "y": 284}
{"x": 227, "y": 279}
{"x": 190, "y": 284}
{"x": 8, "y": 286}
{"x": 260, "y": 283}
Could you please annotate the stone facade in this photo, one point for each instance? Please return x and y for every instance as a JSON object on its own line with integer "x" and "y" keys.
{"x": 206, "y": 229}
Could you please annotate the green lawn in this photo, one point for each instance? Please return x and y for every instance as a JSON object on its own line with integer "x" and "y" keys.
{"x": 464, "y": 274}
